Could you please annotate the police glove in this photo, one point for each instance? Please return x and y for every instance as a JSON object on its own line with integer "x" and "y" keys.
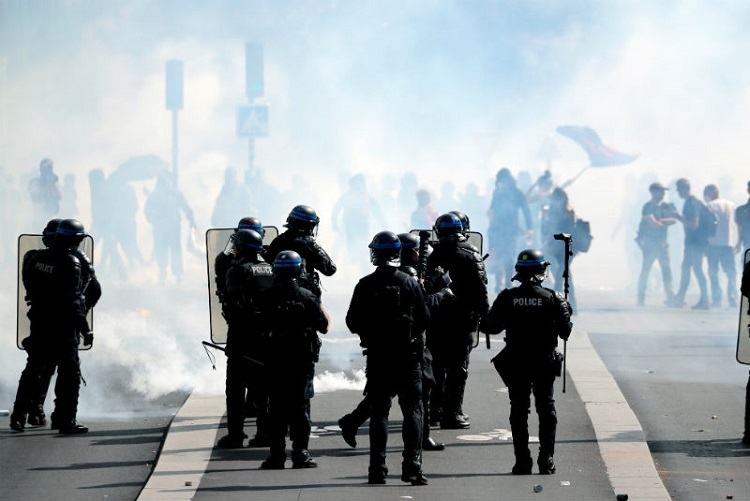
{"x": 88, "y": 338}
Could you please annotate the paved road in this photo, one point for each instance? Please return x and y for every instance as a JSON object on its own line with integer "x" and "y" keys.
{"x": 678, "y": 372}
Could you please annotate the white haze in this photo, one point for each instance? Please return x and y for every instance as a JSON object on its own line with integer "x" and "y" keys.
{"x": 450, "y": 90}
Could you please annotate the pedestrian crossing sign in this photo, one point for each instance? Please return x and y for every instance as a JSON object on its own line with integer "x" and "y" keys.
{"x": 252, "y": 120}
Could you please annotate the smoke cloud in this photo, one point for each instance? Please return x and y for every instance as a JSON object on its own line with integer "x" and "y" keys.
{"x": 449, "y": 90}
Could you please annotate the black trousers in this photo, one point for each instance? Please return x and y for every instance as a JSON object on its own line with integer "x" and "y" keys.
{"x": 384, "y": 382}
{"x": 245, "y": 379}
{"x": 522, "y": 386}
{"x": 44, "y": 356}
{"x": 290, "y": 391}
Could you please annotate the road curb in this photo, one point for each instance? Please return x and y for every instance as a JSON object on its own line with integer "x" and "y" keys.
{"x": 622, "y": 443}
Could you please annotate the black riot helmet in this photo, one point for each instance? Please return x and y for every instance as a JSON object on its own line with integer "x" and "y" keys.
{"x": 49, "y": 231}
{"x": 531, "y": 265}
{"x": 247, "y": 242}
{"x": 448, "y": 227}
{"x": 465, "y": 223}
{"x": 408, "y": 240}
{"x": 303, "y": 217}
{"x": 409, "y": 246}
{"x": 287, "y": 264}
{"x": 251, "y": 223}
{"x": 70, "y": 233}
{"x": 385, "y": 249}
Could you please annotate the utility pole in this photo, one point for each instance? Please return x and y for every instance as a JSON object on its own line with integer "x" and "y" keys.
{"x": 174, "y": 101}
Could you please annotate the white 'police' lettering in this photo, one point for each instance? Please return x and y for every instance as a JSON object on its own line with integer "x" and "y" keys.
{"x": 46, "y": 268}
{"x": 262, "y": 270}
{"x": 527, "y": 301}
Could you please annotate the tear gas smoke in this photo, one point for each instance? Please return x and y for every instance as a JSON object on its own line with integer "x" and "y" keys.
{"x": 450, "y": 91}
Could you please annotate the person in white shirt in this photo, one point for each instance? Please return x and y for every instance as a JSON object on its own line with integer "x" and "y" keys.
{"x": 721, "y": 246}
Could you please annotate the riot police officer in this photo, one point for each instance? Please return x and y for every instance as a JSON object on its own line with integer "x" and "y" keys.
{"x": 533, "y": 318}
{"x": 451, "y": 340}
{"x": 388, "y": 312}
{"x": 294, "y": 316}
{"x": 55, "y": 280}
{"x": 436, "y": 292}
{"x": 247, "y": 278}
{"x": 222, "y": 262}
{"x": 302, "y": 224}
{"x": 36, "y": 416}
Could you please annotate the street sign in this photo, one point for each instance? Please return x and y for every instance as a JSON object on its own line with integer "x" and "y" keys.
{"x": 252, "y": 120}
{"x": 253, "y": 70}
{"x": 743, "y": 337}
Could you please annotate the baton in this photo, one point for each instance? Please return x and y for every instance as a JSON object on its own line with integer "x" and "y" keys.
{"x": 565, "y": 237}
{"x": 221, "y": 348}
{"x": 486, "y": 335}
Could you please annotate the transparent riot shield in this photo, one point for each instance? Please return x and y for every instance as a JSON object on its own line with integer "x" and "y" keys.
{"x": 474, "y": 238}
{"x": 743, "y": 337}
{"x": 28, "y": 243}
{"x": 217, "y": 241}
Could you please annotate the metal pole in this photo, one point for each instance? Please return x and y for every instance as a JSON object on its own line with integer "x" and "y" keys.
{"x": 175, "y": 149}
{"x": 566, "y": 273}
{"x": 251, "y": 154}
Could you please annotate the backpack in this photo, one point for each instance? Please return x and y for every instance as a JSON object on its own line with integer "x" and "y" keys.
{"x": 394, "y": 318}
{"x": 707, "y": 221}
{"x": 582, "y": 235}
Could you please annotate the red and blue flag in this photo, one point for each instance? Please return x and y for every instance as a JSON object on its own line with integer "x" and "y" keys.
{"x": 600, "y": 155}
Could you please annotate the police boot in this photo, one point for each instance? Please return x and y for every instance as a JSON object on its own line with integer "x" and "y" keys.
{"x": 302, "y": 459}
{"x": 523, "y": 462}
{"x": 348, "y": 430}
{"x": 259, "y": 440}
{"x": 376, "y": 474}
{"x": 231, "y": 441}
{"x": 37, "y": 417}
{"x": 429, "y": 444}
{"x": 454, "y": 421}
{"x": 546, "y": 465}
{"x": 72, "y": 428}
{"x": 17, "y": 421}
{"x": 412, "y": 473}
{"x": 274, "y": 462}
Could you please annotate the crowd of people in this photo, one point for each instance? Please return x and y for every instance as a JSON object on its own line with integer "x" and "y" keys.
{"x": 715, "y": 230}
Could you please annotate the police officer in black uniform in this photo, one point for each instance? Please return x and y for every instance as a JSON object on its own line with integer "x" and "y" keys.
{"x": 302, "y": 225}
{"x": 55, "y": 280}
{"x": 222, "y": 262}
{"x": 247, "y": 278}
{"x": 533, "y": 317}
{"x": 294, "y": 316}
{"x": 451, "y": 340}
{"x": 436, "y": 291}
{"x": 36, "y": 416}
{"x": 389, "y": 313}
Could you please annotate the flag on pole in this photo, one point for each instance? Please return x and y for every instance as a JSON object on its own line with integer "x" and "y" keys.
{"x": 600, "y": 155}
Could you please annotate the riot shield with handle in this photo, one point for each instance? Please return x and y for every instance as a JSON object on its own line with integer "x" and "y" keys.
{"x": 28, "y": 243}
{"x": 743, "y": 336}
{"x": 217, "y": 242}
